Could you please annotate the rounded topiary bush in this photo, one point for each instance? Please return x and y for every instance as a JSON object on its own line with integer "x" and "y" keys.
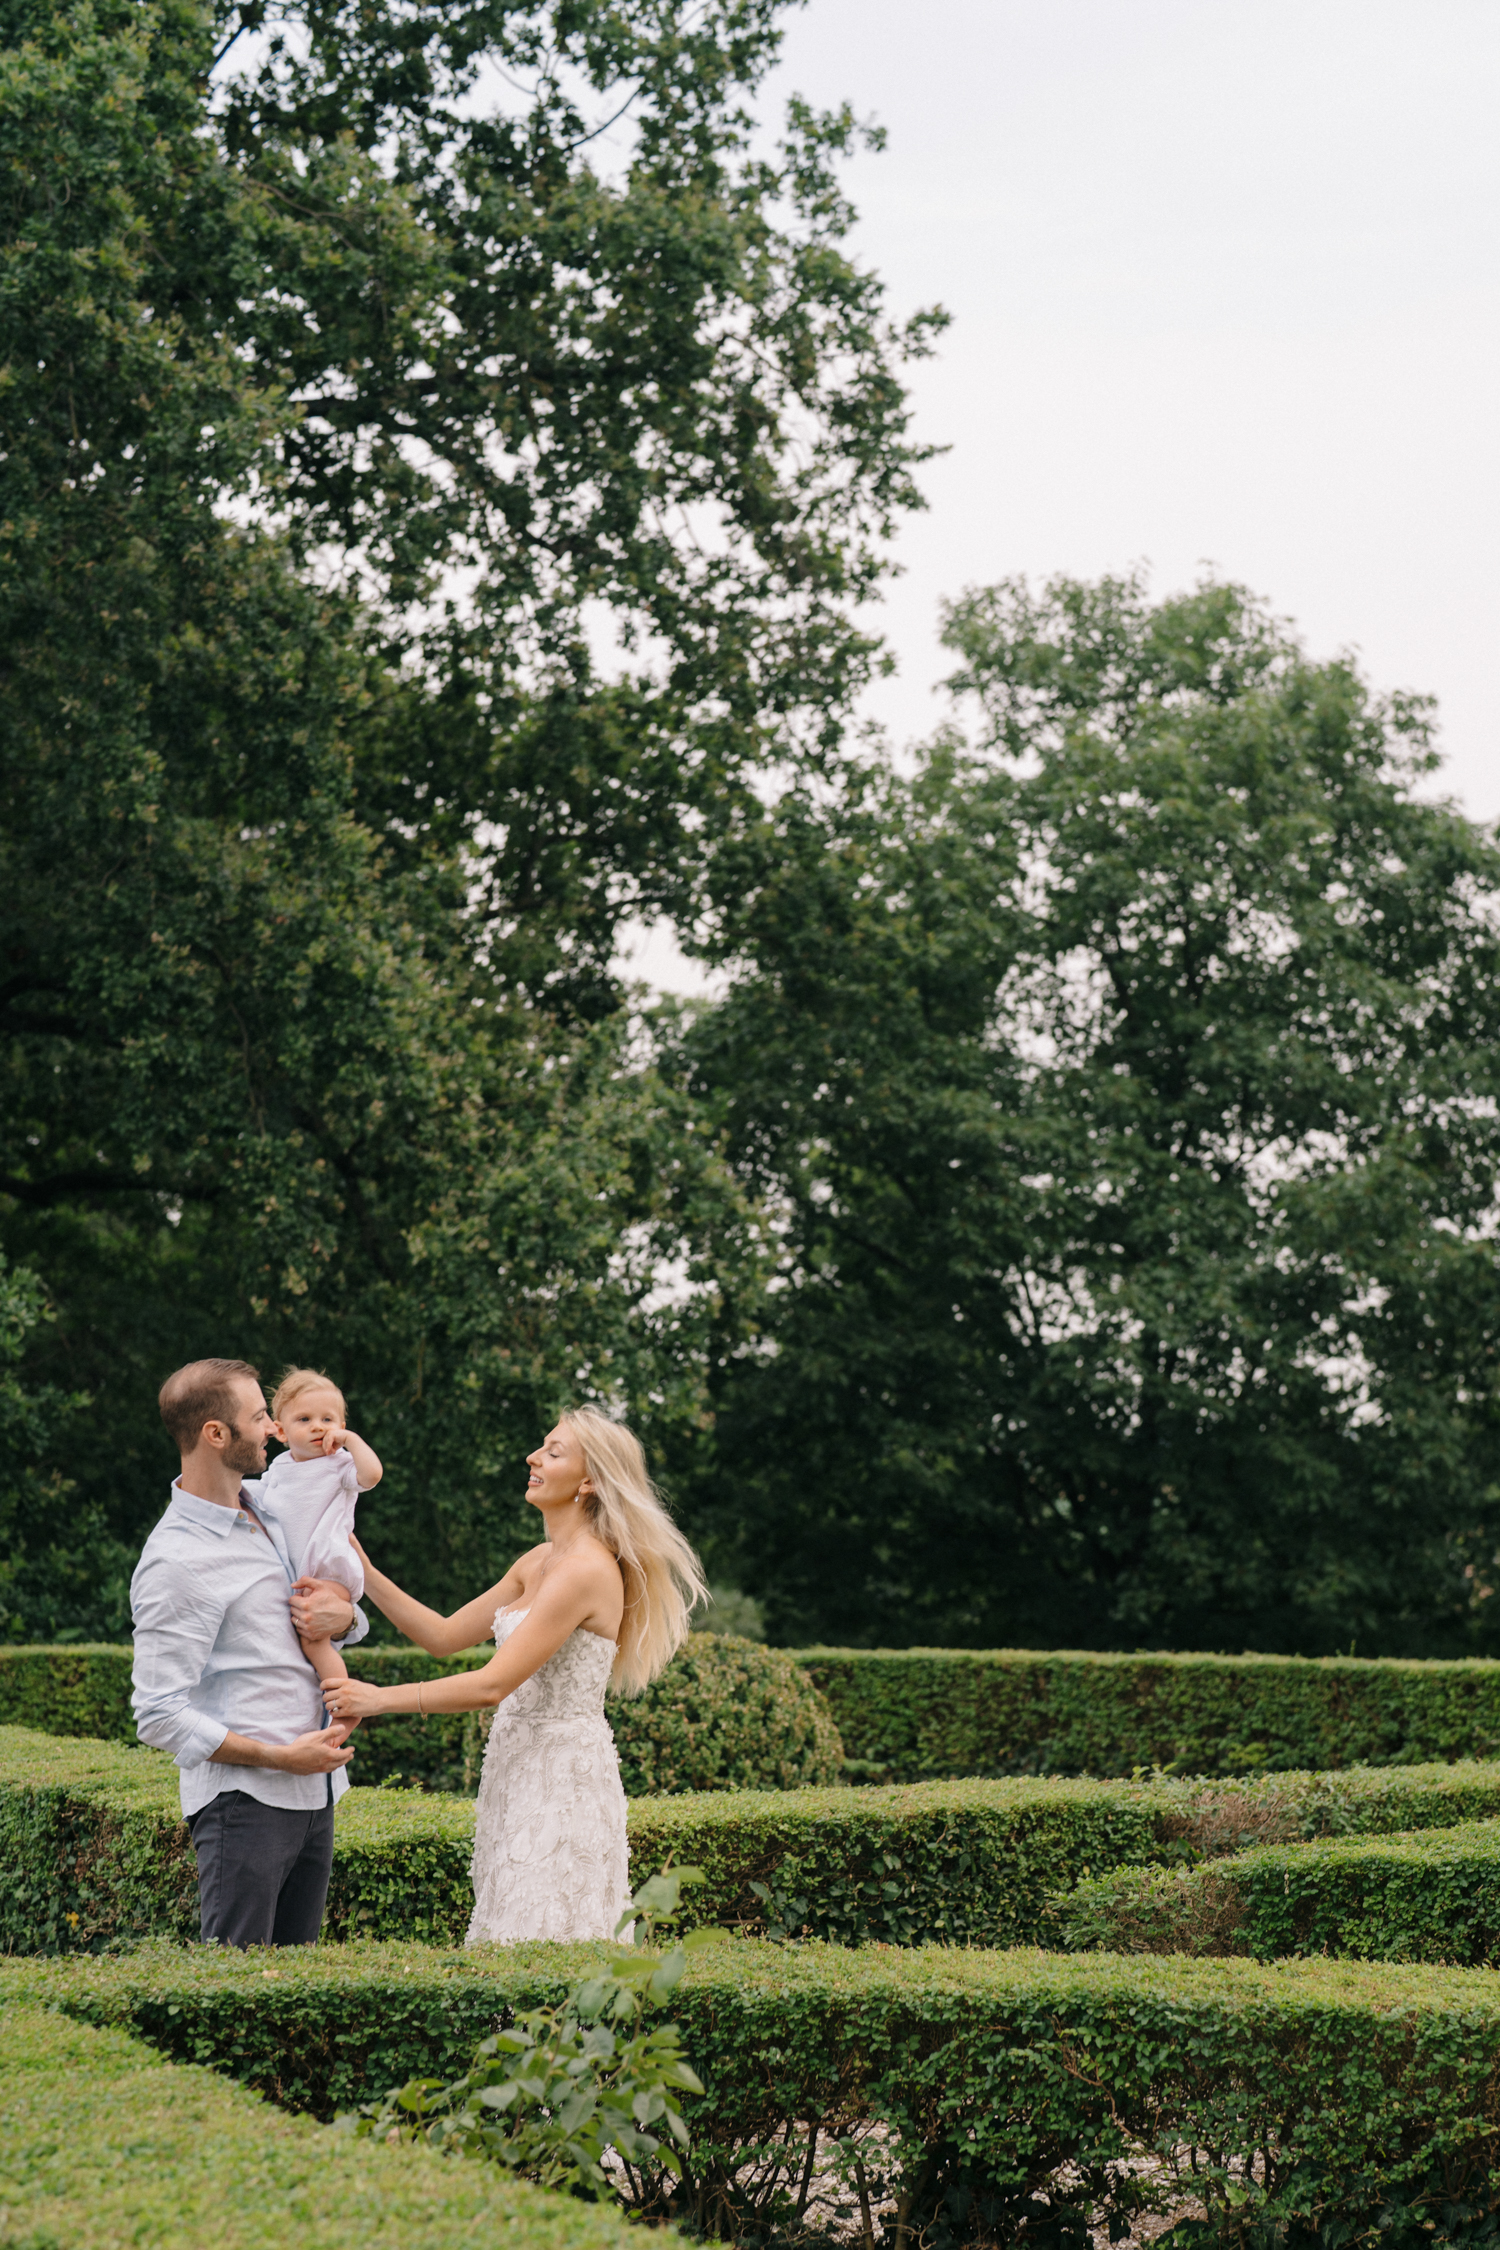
{"x": 725, "y": 1714}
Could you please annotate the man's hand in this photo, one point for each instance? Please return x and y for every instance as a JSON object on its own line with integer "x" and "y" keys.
{"x": 310, "y": 1753}
{"x": 321, "y": 1609}
{"x": 315, "y": 1753}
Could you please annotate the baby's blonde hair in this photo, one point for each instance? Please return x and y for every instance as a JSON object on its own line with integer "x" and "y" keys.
{"x": 663, "y": 1580}
{"x": 295, "y": 1381}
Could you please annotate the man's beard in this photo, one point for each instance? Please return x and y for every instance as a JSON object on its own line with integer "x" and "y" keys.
{"x": 245, "y": 1455}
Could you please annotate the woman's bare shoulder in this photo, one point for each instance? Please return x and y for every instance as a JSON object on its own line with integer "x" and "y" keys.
{"x": 524, "y": 1565}
{"x": 589, "y": 1560}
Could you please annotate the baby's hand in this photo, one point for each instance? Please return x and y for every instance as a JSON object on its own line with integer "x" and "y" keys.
{"x": 367, "y": 1469}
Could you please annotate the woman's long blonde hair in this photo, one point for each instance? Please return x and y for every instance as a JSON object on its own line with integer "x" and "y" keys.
{"x": 663, "y": 1579}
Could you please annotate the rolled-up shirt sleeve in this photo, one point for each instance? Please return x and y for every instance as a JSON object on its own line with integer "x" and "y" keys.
{"x": 175, "y": 1631}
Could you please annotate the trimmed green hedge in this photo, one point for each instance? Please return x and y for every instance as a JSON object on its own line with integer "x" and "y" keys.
{"x": 85, "y": 1690}
{"x": 106, "y": 2143}
{"x": 957, "y": 1863}
{"x": 92, "y": 1848}
{"x": 729, "y": 1714}
{"x": 976, "y": 1862}
{"x": 970, "y": 2085}
{"x": 726, "y": 1714}
{"x": 1209, "y": 1819}
{"x": 93, "y": 1854}
{"x": 907, "y": 1714}
{"x": 954, "y": 1862}
{"x": 1432, "y": 1897}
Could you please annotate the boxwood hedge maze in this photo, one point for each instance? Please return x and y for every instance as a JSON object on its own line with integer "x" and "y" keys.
{"x": 1110, "y": 1946}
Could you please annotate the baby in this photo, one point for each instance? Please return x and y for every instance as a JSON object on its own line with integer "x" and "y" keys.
{"x": 310, "y": 1490}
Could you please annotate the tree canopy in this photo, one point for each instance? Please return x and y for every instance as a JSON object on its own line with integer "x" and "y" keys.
{"x": 312, "y": 850}
{"x": 444, "y": 452}
{"x": 592, "y": 404}
{"x": 1124, "y": 1085}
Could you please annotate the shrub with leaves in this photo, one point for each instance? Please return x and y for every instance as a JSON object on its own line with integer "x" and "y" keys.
{"x": 161, "y": 2152}
{"x": 1017, "y": 2097}
{"x": 1412, "y": 1897}
{"x": 910, "y": 1714}
{"x": 562, "y": 2089}
{"x": 725, "y": 1714}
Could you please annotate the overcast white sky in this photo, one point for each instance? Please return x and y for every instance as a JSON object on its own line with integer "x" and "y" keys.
{"x": 1225, "y": 289}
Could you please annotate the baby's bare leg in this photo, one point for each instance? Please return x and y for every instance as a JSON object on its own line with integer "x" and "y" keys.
{"x": 328, "y": 1664}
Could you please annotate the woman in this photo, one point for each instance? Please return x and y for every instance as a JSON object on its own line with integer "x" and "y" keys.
{"x": 603, "y": 1602}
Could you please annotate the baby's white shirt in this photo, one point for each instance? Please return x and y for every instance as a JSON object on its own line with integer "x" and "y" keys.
{"x": 313, "y": 1501}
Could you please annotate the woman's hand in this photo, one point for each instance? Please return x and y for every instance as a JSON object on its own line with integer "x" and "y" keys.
{"x": 352, "y": 1699}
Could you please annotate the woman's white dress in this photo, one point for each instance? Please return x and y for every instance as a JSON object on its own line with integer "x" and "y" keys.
{"x": 550, "y": 1856}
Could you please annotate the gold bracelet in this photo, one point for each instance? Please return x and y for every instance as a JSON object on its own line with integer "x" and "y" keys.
{"x": 419, "y": 1699}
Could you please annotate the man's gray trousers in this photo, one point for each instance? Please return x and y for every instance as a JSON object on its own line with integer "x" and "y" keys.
{"x": 262, "y": 1870}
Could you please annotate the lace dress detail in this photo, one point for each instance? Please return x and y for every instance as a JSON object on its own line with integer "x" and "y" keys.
{"x": 550, "y": 1856}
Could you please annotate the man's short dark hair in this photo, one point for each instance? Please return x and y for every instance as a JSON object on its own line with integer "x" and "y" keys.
{"x": 203, "y": 1391}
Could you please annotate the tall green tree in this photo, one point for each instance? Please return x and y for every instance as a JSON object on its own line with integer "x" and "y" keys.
{"x": 75, "y": 1566}
{"x": 1125, "y": 1087}
{"x": 292, "y": 1067}
{"x": 564, "y": 333}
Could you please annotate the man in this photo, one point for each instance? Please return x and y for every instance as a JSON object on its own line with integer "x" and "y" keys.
{"x": 219, "y": 1677}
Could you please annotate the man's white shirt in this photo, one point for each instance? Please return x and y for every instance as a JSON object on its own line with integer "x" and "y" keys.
{"x": 216, "y": 1653}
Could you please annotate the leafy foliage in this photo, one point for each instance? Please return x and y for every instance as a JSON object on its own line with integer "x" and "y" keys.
{"x": 978, "y": 1863}
{"x": 1126, "y": 1091}
{"x": 638, "y": 375}
{"x": 1429, "y": 1897}
{"x": 442, "y": 453}
{"x": 981, "y": 2088}
{"x": 560, "y": 2090}
{"x": 39, "y": 1570}
{"x": 412, "y": 540}
{"x": 95, "y": 1850}
{"x": 956, "y": 1863}
{"x": 907, "y": 1713}
{"x": 182, "y": 2151}
{"x": 725, "y": 1714}
{"x": 98, "y": 1858}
